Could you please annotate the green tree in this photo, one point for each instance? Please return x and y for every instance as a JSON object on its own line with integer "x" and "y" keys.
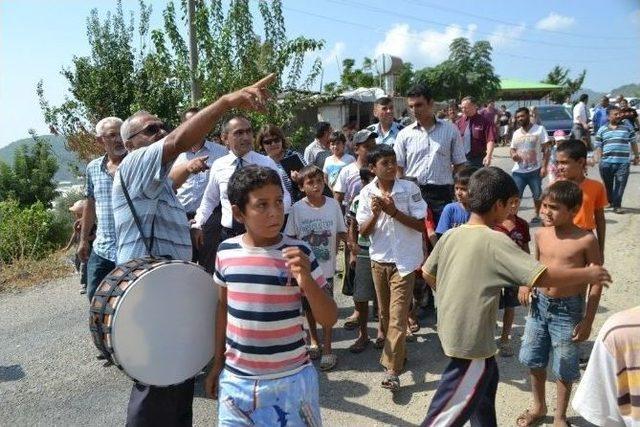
{"x": 30, "y": 179}
{"x": 352, "y": 78}
{"x": 467, "y": 72}
{"x": 560, "y": 76}
{"x": 155, "y": 75}
{"x": 405, "y": 79}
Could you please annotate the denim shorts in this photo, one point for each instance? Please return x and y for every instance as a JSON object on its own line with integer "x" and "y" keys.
{"x": 549, "y": 329}
{"x": 531, "y": 179}
{"x": 292, "y": 400}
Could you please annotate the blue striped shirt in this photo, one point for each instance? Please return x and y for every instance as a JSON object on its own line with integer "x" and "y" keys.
{"x": 98, "y": 188}
{"x": 152, "y": 196}
{"x": 615, "y": 143}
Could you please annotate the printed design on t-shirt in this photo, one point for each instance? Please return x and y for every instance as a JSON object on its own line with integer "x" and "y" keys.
{"x": 317, "y": 233}
{"x": 517, "y": 236}
{"x": 333, "y": 171}
{"x": 527, "y": 148}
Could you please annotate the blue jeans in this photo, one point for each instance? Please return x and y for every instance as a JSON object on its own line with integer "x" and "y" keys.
{"x": 291, "y": 401}
{"x": 614, "y": 176}
{"x": 549, "y": 328}
{"x": 532, "y": 179}
{"x": 97, "y": 269}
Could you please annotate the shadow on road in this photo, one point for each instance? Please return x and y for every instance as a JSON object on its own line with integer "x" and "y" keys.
{"x": 11, "y": 373}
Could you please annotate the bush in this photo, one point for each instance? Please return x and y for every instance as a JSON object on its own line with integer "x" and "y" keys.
{"x": 32, "y": 232}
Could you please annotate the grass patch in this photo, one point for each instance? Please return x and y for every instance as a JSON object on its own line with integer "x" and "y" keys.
{"x": 25, "y": 273}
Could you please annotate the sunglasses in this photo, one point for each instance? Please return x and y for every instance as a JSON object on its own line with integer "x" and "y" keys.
{"x": 270, "y": 141}
{"x": 149, "y": 130}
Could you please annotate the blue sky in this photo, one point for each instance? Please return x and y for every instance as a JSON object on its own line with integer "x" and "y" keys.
{"x": 39, "y": 37}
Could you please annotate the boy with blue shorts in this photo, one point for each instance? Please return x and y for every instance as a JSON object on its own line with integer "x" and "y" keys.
{"x": 468, "y": 294}
{"x": 558, "y": 320}
{"x": 261, "y": 373}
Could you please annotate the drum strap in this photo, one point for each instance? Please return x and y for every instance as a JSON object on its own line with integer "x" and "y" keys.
{"x": 148, "y": 243}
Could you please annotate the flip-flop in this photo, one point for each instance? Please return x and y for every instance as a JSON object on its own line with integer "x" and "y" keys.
{"x": 351, "y": 323}
{"x": 529, "y": 419}
{"x": 379, "y": 343}
{"x": 391, "y": 382}
{"x": 359, "y": 346}
{"x": 328, "y": 361}
{"x": 314, "y": 352}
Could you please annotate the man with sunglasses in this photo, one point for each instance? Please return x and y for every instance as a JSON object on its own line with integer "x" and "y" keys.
{"x": 145, "y": 175}
{"x": 237, "y": 134}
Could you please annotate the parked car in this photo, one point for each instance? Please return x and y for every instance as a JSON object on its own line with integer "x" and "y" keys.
{"x": 555, "y": 117}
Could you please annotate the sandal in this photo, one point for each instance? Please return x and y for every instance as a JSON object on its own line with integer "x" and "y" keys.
{"x": 351, "y": 323}
{"x": 414, "y": 326}
{"x": 359, "y": 346}
{"x": 328, "y": 361}
{"x": 314, "y": 352}
{"x": 529, "y": 419}
{"x": 409, "y": 337}
{"x": 379, "y": 343}
{"x": 391, "y": 382}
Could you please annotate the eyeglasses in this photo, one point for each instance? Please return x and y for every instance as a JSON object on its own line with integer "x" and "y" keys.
{"x": 149, "y": 130}
{"x": 270, "y": 141}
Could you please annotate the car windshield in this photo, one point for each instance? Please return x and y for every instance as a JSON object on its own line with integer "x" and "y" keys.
{"x": 553, "y": 113}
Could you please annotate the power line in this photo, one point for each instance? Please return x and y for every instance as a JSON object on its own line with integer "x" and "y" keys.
{"x": 378, "y": 30}
{"x": 386, "y": 11}
{"x": 427, "y": 5}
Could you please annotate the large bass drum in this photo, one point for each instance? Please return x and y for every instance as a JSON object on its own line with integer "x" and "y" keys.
{"x": 154, "y": 318}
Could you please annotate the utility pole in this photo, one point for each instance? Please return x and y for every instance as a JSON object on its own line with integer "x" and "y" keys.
{"x": 193, "y": 53}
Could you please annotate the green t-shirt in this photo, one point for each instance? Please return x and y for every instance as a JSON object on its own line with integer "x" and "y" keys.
{"x": 471, "y": 264}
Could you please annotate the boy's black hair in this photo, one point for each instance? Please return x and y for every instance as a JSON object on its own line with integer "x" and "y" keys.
{"x": 309, "y": 172}
{"x": 338, "y": 136}
{"x": 420, "y": 89}
{"x": 322, "y": 128}
{"x": 378, "y": 153}
{"x": 248, "y": 179}
{"x": 463, "y": 175}
{"x": 487, "y": 186}
{"x": 566, "y": 193}
{"x": 574, "y": 148}
{"x": 366, "y": 176}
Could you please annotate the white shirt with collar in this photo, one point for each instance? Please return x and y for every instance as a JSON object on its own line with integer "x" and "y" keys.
{"x": 312, "y": 150}
{"x": 390, "y": 137}
{"x": 392, "y": 241}
{"x": 216, "y": 192}
{"x": 190, "y": 193}
{"x": 580, "y": 112}
{"x": 427, "y": 154}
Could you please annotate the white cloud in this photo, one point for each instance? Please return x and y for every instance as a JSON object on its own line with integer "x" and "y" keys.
{"x": 504, "y": 35}
{"x": 334, "y": 55}
{"x": 428, "y": 47}
{"x": 635, "y": 17}
{"x": 555, "y": 22}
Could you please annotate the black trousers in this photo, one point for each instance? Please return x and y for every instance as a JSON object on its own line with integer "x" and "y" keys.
{"x": 206, "y": 255}
{"x": 437, "y": 197}
{"x": 151, "y": 406}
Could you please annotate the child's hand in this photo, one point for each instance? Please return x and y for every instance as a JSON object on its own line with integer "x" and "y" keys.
{"x": 598, "y": 275}
{"x": 388, "y": 206}
{"x": 211, "y": 382}
{"x": 582, "y": 331}
{"x": 297, "y": 262}
{"x": 524, "y": 296}
{"x": 376, "y": 205}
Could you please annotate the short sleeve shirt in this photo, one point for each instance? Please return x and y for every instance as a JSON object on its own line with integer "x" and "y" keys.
{"x": 529, "y": 145}
{"x": 348, "y": 182}
{"x": 318, "y": 227}
{"x": 99, "y": 184}
{"x": 519, "y": 233}
{"x": 594, "y": 197}
{"x": 468, "y": 291}
{"x": 151, "y": 191}
{"x": 453, "y": 215}
{"x": 332, "y": 166}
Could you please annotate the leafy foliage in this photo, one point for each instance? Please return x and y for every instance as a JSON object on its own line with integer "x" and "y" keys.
{"x": 30, "y": 179}
{"x": 117, "y": 78}
{"x": 560, "y": 76}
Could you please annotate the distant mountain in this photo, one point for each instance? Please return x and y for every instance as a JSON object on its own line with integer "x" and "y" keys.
{"x": 632, "y": 89}
{"x": 594, "y": 97}
{"x": 66, "y": 159}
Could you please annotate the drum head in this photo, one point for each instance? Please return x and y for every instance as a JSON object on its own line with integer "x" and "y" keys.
{"x": 163, "y": 328}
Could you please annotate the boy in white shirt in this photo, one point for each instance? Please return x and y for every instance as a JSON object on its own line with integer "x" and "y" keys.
{"x": 391, "y": 213}
{"x": 338, "y": 159}
{"x": 318, "y": 221}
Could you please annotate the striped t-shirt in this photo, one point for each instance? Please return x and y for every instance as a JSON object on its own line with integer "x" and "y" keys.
{"x": 265, "y": 334}
{"x": 615, "y": 143}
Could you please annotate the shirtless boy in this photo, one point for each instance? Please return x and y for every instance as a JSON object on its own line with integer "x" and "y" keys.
{"x": 557, "y": 317}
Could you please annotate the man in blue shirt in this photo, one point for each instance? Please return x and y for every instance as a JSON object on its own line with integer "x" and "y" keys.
{"x": 600, "y": 114}
{"x": 145, "y": 173}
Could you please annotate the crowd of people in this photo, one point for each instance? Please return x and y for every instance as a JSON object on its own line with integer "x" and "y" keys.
{"x": 416, "y": 209}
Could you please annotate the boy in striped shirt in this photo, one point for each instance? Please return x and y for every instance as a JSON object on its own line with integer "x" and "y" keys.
{"x": 261, "y": 373}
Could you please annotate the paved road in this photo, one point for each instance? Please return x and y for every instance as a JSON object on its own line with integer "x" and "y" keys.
{"x": 49, "y": 374}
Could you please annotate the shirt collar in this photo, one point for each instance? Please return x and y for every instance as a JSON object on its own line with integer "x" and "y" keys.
{"x": 397, "y": 187}
{"x": 416, "y": 125}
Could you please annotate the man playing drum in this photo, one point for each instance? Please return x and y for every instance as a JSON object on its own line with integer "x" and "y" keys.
{"x": 144, "y": 173}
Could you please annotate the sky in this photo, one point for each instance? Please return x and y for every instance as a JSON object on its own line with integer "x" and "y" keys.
{"x": 38, "y": 38}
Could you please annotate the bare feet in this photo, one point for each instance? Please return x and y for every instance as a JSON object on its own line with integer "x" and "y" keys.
{"x": 531, "y": 418}
{"x": 560, "y": 422}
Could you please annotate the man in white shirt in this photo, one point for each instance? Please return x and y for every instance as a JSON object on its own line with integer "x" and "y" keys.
{"x": 238, "y": 136}
{"x": 319, "y": 146}
{"x": 580, "y": 118}
{"x": 191, "y": 182}
{"x": 387, "y": 128}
